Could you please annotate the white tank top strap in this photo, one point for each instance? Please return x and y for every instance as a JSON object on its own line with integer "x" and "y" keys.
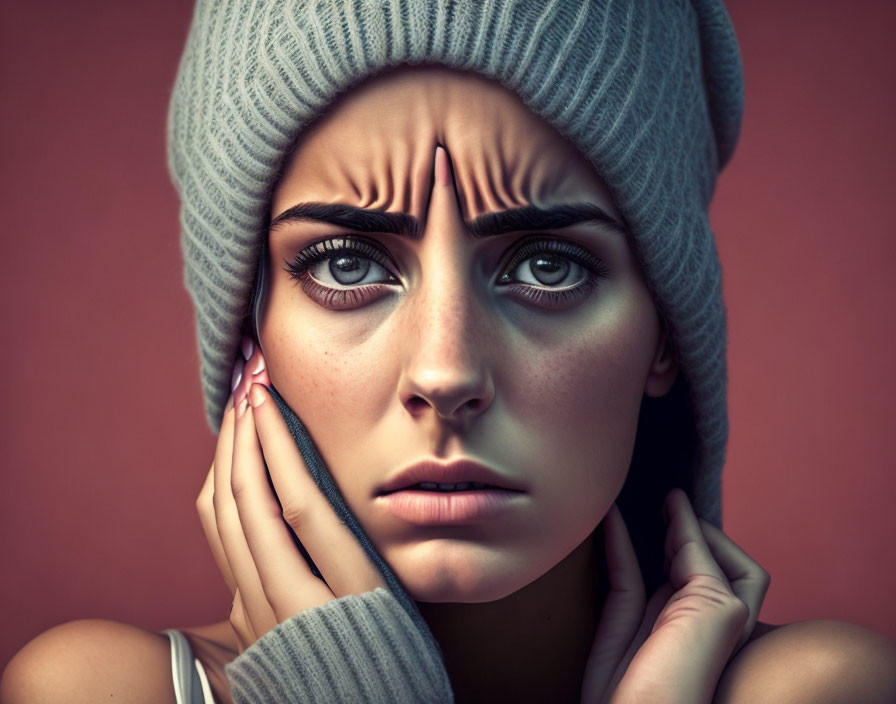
{"x": 190, "y": 681}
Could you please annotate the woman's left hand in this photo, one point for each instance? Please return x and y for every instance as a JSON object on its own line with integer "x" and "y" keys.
{"x": 674, "y": 648}
{"x": 249, "y": 532}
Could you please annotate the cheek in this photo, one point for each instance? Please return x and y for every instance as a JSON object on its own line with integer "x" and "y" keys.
{"x": 578, "y": 408}
{"x": 334, "y": 377}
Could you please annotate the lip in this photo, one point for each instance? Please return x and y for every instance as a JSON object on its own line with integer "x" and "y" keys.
{"x": 462, "y": 470}
{"x": 433, "y": 508}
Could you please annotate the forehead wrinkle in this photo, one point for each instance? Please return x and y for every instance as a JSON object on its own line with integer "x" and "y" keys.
{"x": 503, "y": 156}
{"x": 491, "y": 178}
{"x": 381, "y": 175}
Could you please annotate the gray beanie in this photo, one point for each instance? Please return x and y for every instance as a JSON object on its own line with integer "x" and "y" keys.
{"x": 650, "y": 91}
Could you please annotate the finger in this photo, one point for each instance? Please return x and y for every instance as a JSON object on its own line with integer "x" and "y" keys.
{"x": 332, "y": 546}
{"x": 687, "y": 554}
{"x": 253, "y": 369}
{"x": 622, "y": 611}
{"x": 259, "y": 614}
{"x": 287, "y": 581}
{"x": 241, "y": 628}
{"x": 747, "y": 578}
{"x": 206, "y": 508}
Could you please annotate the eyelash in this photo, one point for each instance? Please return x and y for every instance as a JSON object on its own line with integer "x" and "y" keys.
{"x": 325, "y": 250}
{"x": 338, "y": 298}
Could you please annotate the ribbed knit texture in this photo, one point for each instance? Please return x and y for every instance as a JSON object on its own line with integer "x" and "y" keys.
{"x": 360, "y": 648}
{"x": 650, "y": 92}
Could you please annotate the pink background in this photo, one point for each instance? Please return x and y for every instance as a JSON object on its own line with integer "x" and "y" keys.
{"x": 104, "y": 443}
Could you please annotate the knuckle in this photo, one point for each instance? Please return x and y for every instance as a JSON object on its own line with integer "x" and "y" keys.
{"x": 738, "y": 612}
{"x": 205, "y": 502}
{"x": 716, "y": 593}
{"x": 295, "y": 513}
{"x": 237, "y": 486}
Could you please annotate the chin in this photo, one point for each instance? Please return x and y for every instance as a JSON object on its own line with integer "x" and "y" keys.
{"x": 459, "y": 573}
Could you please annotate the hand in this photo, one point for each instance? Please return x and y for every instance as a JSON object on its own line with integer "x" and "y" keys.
{"x": 674, "y": 648}
{"x": 248, "y": 532}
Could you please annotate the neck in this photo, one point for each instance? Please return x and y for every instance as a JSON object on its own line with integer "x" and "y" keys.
{"x": 529, "y": 646}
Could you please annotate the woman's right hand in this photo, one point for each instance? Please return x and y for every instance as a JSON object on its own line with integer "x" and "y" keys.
{"x": 249, "y": 518}
{"x": 674, "y": 648}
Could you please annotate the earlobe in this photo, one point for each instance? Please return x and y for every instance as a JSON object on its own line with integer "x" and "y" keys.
{"x": 663, "y": 369}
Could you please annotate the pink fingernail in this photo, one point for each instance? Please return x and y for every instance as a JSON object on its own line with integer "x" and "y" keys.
{"x": 237, "y": 376}
{"x": 259, "y": 366}
{"x": 248, "y": 347}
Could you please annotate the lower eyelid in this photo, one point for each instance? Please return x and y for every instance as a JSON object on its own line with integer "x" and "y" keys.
{"x": 556, "y": 298}
{"x": 338, "y": 298}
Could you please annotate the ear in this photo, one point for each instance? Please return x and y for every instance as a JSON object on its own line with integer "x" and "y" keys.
{"x": 663, "y": 369}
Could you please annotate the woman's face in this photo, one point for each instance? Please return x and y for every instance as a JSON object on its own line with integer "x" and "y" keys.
{"x": 523, "y": 343}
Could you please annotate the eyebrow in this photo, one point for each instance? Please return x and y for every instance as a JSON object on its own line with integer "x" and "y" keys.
{"x": 529, "y": 217}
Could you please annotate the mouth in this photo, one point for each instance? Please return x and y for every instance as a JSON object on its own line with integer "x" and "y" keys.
{"x": 457, "y": 476}
{"x": 462, "y": 492}
{"x": 446, "y": 488}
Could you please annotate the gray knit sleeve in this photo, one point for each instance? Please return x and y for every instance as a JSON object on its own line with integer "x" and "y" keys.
{"x": 359, "y": 648}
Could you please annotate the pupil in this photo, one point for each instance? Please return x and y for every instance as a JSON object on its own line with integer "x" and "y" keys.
{"x": 548, "y": 269}
{"x": 349, "y": 269}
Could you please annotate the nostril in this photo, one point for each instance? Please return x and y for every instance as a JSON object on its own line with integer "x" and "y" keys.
{"x": 416, "y": 404}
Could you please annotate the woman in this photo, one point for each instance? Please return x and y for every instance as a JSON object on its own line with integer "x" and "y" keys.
{"x": 527, "y": 347}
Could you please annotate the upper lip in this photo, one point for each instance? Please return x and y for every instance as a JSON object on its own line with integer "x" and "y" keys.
{"x": 431, "y": 470}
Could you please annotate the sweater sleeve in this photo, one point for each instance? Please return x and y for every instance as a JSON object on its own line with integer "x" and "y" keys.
{"x": 358, "y": 648}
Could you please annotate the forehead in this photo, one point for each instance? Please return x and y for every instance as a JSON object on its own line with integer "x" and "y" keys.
{"x": 374, "y": 148}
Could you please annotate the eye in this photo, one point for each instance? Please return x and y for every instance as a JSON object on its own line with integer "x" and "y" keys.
{"x": 342, "y": 272}
{"x": 347, "y": 269}
{"x": 552, "y": 272}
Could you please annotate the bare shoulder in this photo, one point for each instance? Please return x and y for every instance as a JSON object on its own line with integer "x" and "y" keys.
{"x": 90, "y": 661}
{"x": 822, "y": 662}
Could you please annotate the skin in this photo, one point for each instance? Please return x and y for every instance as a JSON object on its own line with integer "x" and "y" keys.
{"x": 434, "y": 367}
{"x": 427, "y": 357}
{"x": 445, "y": 363}
{"x": 432, "y": 364}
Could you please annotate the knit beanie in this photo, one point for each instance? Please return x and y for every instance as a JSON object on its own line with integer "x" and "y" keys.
{"x": 649, "y": 91}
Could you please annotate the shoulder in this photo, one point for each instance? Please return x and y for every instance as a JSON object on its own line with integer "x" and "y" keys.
{"x": 822, "y": 662}
{"x": 89, "y": 661}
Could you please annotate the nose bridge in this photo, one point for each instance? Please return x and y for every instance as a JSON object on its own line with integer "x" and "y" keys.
{"x": 447, "y": 368}
{"x": 446, "y": 314}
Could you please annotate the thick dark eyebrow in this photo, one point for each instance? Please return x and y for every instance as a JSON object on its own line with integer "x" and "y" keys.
{"x": 529, "y": 217}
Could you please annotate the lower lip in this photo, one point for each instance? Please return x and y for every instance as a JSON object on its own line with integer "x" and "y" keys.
{"x": 435, "y": 508}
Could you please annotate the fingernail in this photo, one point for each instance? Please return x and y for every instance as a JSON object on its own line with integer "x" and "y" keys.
{"x": 256, "y": 395}
{"x": 247, "y": 348}
{"x": 237, "y": 375}
{"x": 259, "y": 366}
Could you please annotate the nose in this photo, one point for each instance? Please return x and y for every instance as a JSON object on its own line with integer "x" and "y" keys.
{"x": 446, "y": 371}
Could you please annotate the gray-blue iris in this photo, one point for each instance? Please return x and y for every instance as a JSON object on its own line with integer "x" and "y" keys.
{"x": 548, "y": 269}
{"x": 349, "y": 270}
